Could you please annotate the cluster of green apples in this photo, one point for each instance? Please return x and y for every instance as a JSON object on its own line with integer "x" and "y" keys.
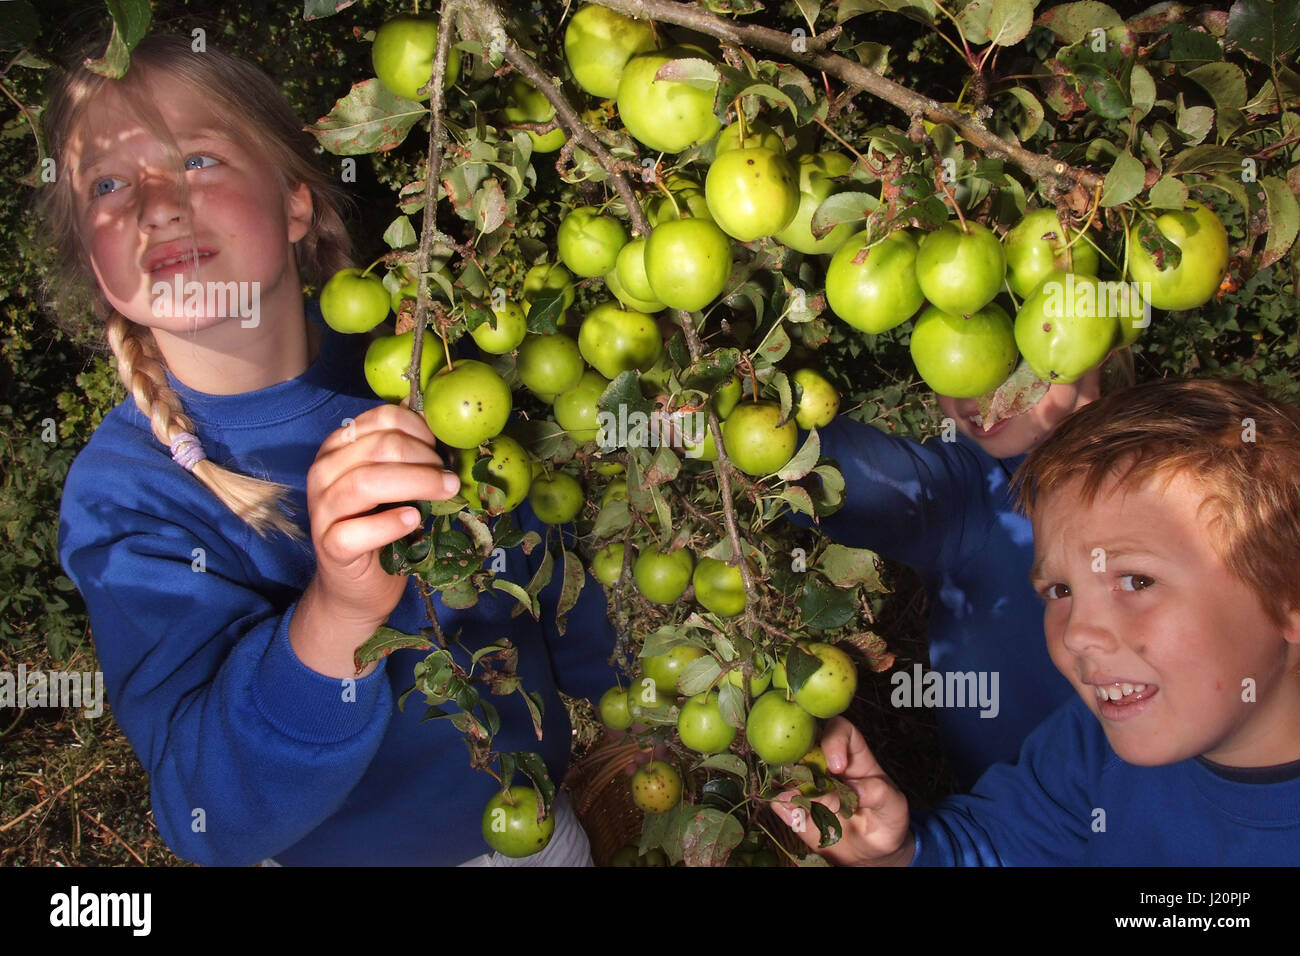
{"x": 779, "y": 724}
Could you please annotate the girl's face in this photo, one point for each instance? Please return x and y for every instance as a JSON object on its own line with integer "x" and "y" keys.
{"x": 238, "y": 226}
{"x": 1022, "y": 433}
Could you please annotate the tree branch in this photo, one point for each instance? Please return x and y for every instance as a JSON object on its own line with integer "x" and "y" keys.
{"x": 1036, "y": 165}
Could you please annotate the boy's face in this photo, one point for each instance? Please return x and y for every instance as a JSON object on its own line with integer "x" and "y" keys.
{"x": 1141, "y": 608}
{"x": 1022, "y": 433}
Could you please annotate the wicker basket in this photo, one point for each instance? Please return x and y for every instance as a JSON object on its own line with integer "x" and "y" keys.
{"x": 599, "y": 786}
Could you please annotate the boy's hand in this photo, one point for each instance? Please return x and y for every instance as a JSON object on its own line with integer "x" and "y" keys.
{"x": 879, "y": 833}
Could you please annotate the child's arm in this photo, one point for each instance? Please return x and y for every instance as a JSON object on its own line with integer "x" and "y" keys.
{"x": 904, "y": 499}
{"x": 248, "y": 748}
{"x": 878, "y": 833}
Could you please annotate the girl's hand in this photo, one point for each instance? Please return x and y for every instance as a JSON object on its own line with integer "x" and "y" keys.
{"x": 879, "y": 833}
{"x": 385, "y": 456}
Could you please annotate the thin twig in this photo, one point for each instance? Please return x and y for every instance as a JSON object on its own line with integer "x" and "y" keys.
{"x": 113, "y": 833}
{"x": 30, "y": 810}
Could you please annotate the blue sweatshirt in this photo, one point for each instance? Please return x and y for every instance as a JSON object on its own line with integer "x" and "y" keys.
{"x": 250, "y": 753}
{"x": 1070, "y": 800}
{"x": 944, "y": 509}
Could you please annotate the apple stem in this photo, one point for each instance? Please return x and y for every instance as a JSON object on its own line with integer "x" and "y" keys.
{"x": 1092, "y": 214}
{"x": 677, "y": 210}
{"x": 740, "y": 119}
{"x": 365, "y": 272}
{"x": 446, "y": 350}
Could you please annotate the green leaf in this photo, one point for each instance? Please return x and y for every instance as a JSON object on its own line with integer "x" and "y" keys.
{"x": 828, "y": 494}
{"x": 1124, "y": 181}
{"x": 693, "y": 71}
{"x": 1266, "y": 30}
{"x": 827, "y": 823}
{"x": 1187, "y": 45}
{"x": 709, "y": 837}
{"x": 534, "y": 768}
{"x": 1168, "y": 193}
{"x": 370, "y": 119}
{"x": 727, "y": 763}
{"x": 314, "y": 9}
{"x": 1072, "y": 22}
{"x": 527, "y": 601}
{"x": 775, "y": 345}
{"x": 767, "y": 91}
{"x": 384, "y": 641}
{"x": 924, "y": 11}
{"x": 848, "y": 567}
{"x": 613, "y": 518}
{"x": 839, "y": 208}
{"x": 1001, "y": 22}
{"x": 19, "y": 26}
{"x": 400, "y": 233}
{"x": 623, "y": 400}
{"x": 1195, "y": 121}
{"x": 804, "y": 459}
{"x": 799, "y": 667}
{"x": 664, "y": 639}
{"x": 1225, "y": 82}
{"x": 130, "y": 23}
{"x": 824, "y": 606}
{"x": 799, "y": 500}
{"x": 1030, "y": 118}
{"x": 542, "y": 576}
{"x": 1205, "y": 159}
{"x": 1142, "y": 90}
{"x": 731, "y": 702}
{"x": 544, "y": 314}
{"x": 712, "y": 371}
{"x": 575, "y": 577}
{"x": 489, "y": 206}
{"x": 699, "y": 675}
{"x": 1283, "y": 220}
{"x": 536, "y": 708}
{"x": 478, "y": 532}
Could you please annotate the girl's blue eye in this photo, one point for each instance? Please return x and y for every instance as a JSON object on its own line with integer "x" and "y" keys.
{"x": 204, "y": 161}
{"x": 102, "y": 187}
{"x": 1054, "y": 592}
{"x": 1137, "y": 582}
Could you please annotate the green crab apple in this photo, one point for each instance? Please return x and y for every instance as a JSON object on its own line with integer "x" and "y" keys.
{"x": 662, "y": 576}
{"x": 964, "y": 357}
{"x": 757, "y": 683}
{"x": 961, "y": 270}
{"x": 510, "y": 468}
{"x": 779, "y": 730}
{"x": 467, "y": 405}
{"x": 613, "y": 709}
{"x": 549, "y": 364}
{"x": 510, "y": 825}
{"x": 874, "y": 289}
{"x": 548, "y": 275}
{"x": 353, "y": 302}
{"x": 687, "y": 262}
{"x": 756, "y": 133}
{"x": 685, "y": 199}
{"x": 719, "y": 586}
{"x": 388, "y": 358}
{"x": 614, "y": 340}
{"x": 817, "y": 175}
{"x": 666, "y": 669}
{"x": 1037, "y": 246}
{"x": 752, "y": 192}
{"x": 1069, "y": 324}
{"x": 589, "y": 242}
{"x": 829, "y": 690}
{"x": 598, "y": 43}
{"x": 525, "y": 103}
{"x": 656, "y": 787}
{"x": 628, "y": 300}
{"x": 701, "y": 726}
{"x": 402, "y": 55}
{"x": 818, "y": 400}
{"x": 665, "y": 115}
{"x": 577, "y": 410}
{"x": 504, "y": 332}
{"x": 557, "y": 499}
{"x": 1200, "y": 237}
{"x": 755, "y": 440}
{"x": 607, "y": 564}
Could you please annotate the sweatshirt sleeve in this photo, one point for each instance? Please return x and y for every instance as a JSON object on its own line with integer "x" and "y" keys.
{"x": 247, "y": 749}
{"x": 905, "y": 500}
{"x": 1037, "y": 812}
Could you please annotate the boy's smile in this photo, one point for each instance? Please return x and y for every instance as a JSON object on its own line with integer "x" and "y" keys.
{"x": 1173, "y": 653}
{"x": 1022, "y": 433}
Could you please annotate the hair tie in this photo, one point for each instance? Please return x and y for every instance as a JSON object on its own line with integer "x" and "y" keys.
{"x": 187, "y": 450}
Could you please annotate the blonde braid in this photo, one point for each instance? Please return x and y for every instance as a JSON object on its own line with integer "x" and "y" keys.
{"x": 142, "y": 370}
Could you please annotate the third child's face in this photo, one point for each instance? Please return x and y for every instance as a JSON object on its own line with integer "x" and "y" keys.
{"x": 138, "y": 228}
{"x": 1141, "y": 607}
{"x": 1022, "y": 433}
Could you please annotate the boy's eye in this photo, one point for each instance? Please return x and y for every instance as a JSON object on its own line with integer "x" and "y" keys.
{"x": 200, "y": 161}
{"x": 1054, "y": 592}
{"x": 1135, "y": 582}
